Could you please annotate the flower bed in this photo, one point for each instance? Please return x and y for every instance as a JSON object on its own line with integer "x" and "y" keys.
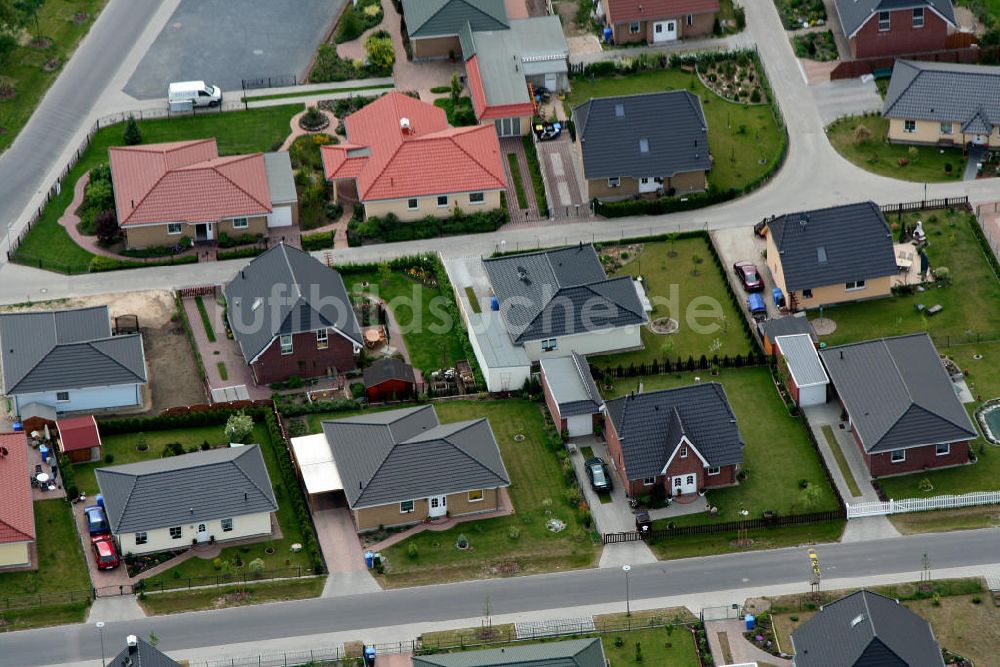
{"x": 735, "y": 79}
{"x": 815, "y": 46}
{"x": 801, "y": 13}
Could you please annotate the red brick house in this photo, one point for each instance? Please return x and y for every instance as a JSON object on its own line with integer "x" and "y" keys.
{"x": 682, "y": 440}
{"x": 659, "y": 21}
{"x": 571, "y": 395}
{"x": 882, "y": 28}
{"x": 291, "y": 316}
{"x": 389, "y": 379}
{"x": 900, "y": 404}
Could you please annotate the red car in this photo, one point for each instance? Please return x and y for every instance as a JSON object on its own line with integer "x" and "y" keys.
{"x": 749, "y": 276}
{"x": 104, "y": 552}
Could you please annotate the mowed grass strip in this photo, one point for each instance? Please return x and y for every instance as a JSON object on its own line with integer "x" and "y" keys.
{"x": 838, "y": 454}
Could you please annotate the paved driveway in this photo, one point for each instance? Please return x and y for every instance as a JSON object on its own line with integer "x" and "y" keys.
{"x": 342, "y": 551}
{"x": 225, "y": 41}
{"x": 845, "y": 97}
{"x": 560, "y": 173}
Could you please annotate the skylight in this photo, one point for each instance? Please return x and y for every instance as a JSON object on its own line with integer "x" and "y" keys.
{"x": 257, "y": 303}
{"x": 620, "y": 110}
{"x": 821, "y": 254}
{"x": 644, "y": 145}
{"x": 857, "y": 619}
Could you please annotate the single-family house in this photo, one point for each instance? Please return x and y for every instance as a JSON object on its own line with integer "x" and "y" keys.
{"x": 943, "y": 104}
{"x": 567, "y": 653}
{"x": 573, "y": 400}
{"x": 70, "y": 361}
{"x": 675, "y": 441}
{"x": 831, "y": 255}
{"x": 434, "y": 25}
{"x": 290, "y": 315}
{"x": 628, "y": 150}
{"x": 17, "y": 513}
{"x": 170, "y": 503}
{"x": 862, "y": 629}
{"x": 900, "y": 404}
{"x": 389, "y": 379}
{"x": 886, "y": 28}
{"x": 140, "y": 653}
{"x": 788, "y": 325}
{"x": 79, "y": 438}
{"x": 806, "y": 378}
{"x": 659, "y": 21}
{"x": 401, "y": 157}
{"x": 403, "y": 466}
{"x": 164, "y": 192}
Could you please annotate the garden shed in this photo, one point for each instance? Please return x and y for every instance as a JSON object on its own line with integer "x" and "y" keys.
{"x": 79, "y": 439}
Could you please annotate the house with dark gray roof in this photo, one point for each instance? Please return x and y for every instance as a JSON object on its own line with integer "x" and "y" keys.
{"x": 901, "y": 405}
{"x": 627, "y": 149}
{"x": 943, "y": 104}
{"x": 831, "y": 255}
{"x": 69, "y": 360}
{"x": 434, "y": 25}
{"x": 879, "y": 28}
{"x": 172, "y": 502}
{"x": 863, "y": 629}
{"x": 674, "y": 441}
{"x": 566, "y": 653}
{"x": 291, "y": 315}
{"x": 571, "y": 394}
{"x": 140, "y": 653}
{"x": 404, "y": 466}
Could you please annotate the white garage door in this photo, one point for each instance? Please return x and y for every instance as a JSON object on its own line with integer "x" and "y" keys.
{"x": 814, "y": 395}
{"x": 280, "y": 217}
{"x": 665, "y": 31}
{"x": 580, "y": 425}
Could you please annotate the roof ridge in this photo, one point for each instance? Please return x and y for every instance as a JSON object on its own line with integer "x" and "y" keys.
{"x": 236, "y": 185}
{"x": 135, "y": 207}
{"x": 90, "y": 344}
{"x": 55, "y": 331}
{"x": 471, "y": 156}
{"x": 291, "y": 271}
{"x": 590, "y": 286}
{"x": 235, "y": 461}
{"x": 145, "y": 148}
{"x": 462, "y": 451}
{"x": 918, "y": 70}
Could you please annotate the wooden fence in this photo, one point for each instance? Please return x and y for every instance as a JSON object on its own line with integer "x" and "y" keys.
{"x": 925, "y": 205}
{"x": 850, "y": 69}
{"x": 879, "y": 508}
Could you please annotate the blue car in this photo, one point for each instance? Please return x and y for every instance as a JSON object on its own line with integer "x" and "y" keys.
{"x": 756, "y": 306}
{"x": 97, "y": 521}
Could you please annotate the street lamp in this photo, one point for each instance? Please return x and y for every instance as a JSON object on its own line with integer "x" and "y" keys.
{"x": 100, "y": 629}
{"x": 626, "y": 569}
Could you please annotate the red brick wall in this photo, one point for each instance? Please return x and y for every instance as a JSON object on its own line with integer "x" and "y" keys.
{"x": 691, "y": 465}
{"x": 917, "y": 459}
{"x": 615, "y": 452}
{"x": 726, "y": 477}
{"x": 305, "y": 360}
{"x": 902, "y": 37}
{"x": 390, "y": 390}
{"x": 550, "y": 401}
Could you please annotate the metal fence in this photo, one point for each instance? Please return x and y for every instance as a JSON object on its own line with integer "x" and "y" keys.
{"x": 878, "y": 508}
{"x": 769, "y": 521}
{"x": 280, "y": 81}
{"x": 44, "y": 600}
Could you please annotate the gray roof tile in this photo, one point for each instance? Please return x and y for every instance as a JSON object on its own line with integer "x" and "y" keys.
{"x": 855, "y": 237}
{"x": 897, "y": 393}
{"x": 429, "y": 18}
{"x": 649, "y": 426}
{"x": 388, "y": 368}
{"x": 201, "y": 486}
{"x": 567, "y": 653}
{"x": 788, "y": 325}
{"x": 143, "y": 655}
{"x": 610, "y": 141}
{"x": 803, "y": 361}
{"x": 855, "y": 13}
{"x": 965, "y": 94}
{"x": 571, "y": 384}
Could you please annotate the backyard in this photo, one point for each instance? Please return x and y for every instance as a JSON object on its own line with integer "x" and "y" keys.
{"x": 693, "y": 301}
{"x": 861, "y": 140}
{"x": 235, "y": 132}
{"x": 744, "y": 139}
{"x": 516, "y": 544}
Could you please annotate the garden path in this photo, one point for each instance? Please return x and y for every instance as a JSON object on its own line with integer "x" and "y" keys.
{"x": 742, "y": 651}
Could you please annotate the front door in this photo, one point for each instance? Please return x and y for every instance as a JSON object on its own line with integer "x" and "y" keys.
{"x": 437, "y": 506}
{"x": 683, "y": 484}
{"x": 202, "y": 534}
{"x": 980, "y": 140}
{"x": 648, "y": 184}
{"x": 203, "y": 232}
{"x": 508, "y": 127}
{"x": 665, "y": 31}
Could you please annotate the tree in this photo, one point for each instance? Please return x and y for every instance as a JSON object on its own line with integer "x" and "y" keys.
{"x": 29, "y": 13}
{"x": 456, "y": 91}
{"x": 380, "y": 52}
{"x": 239, "y": 427}
{"x": 133, "y": 135}
{"x": 107, "y": 229}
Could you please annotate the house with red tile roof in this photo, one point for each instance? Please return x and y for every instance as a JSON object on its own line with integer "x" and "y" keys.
{"x": 659, "y": 21}
{"x": 79, "y": 438}
{"x": 401, "y": 156}
{"x": 164, "y": 192}
{"x": 17, "y": 514}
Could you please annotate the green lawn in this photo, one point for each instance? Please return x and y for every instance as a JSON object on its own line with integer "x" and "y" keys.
{"x": 838, "y": 453}
{"x": 61, "y": 567}
{"x": 236, "y": 132}
{"x": 970, "y": 302}
{"x": 703, "y": 308}
{"x": 535, "y": 171}
{"x": 25, "y": 65}
{"x": 874, "y": 154}
{"x": 694, "y": 546}
{"x": 537, "y": 490}
{"x": 656, "y": 646}
{"x": 231, "y": 596}
{"x": 460, "y": 114}
{"x": 515, "y": 173}
{"x": 740, "y": 136}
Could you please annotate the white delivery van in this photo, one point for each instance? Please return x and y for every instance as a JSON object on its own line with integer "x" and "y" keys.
{"x": 198, "y": 93}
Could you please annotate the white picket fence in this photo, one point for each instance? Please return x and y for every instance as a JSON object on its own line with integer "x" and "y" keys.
{"x": 922, "y": 504}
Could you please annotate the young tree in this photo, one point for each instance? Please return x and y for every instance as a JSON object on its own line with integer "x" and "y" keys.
{"x": 239, "y": 427}
{"x": 456, "y": 90}
{"x": 380, "y": 52}
{"x": 133, "y": 135}
{"x": 107, "y": 229}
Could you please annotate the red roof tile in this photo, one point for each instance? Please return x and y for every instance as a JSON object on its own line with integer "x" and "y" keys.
{"x": 621, "y": 11}
{"x": 431, "y": 158}
{"x": 186, "y": 181}
{"x": 78, "y": 433}
{"x": 17, "y": 515}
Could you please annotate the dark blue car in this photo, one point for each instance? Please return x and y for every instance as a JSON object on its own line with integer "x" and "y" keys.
{"x": 97, "y": 521}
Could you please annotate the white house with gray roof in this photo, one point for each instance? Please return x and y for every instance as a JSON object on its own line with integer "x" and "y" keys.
{"x": 169, "y": 503}
{"x": 70, "y": 361}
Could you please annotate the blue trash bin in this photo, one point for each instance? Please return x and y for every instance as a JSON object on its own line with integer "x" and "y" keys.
{"x": 369, "y": 656}
{"x": 369, "y": 559}
{"x": 750, "y": 621}
{"x": 18, "y": 427}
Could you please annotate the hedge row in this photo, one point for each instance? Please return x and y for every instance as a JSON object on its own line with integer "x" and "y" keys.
{"x": 318, "y": 241}
{"x": 984, "y": 244}
{"x": 392, "y": 229}
{"x": 100, "y": 263}
{"x": 240, "y": 253}
{"x": 666, "y": 366}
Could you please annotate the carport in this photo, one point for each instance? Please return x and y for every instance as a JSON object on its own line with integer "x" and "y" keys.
{"x": 319, "y": 471}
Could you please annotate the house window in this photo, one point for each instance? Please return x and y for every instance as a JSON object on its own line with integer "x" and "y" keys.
{"x": 614, "y": 182}
{"x": 945, "y": 128}
{"x": 633, "y": 28}
{"x": 807, "y": 294}
{"x": 141, "y": 537}
{"x": 909, "y": 126}
{"x": 649, "y": 481}
{"x": 286, "y": 343}
{"x": 175, "y": 228}
{"x": 690, "y": 19}
{"x": 918, "y": 17}
{"x": 855, "y": 285}
{"x": 438, "y": 502}
{"x": 175, "y": 532}
{"x": 227, "y": 525}
{"x": 549, "y": 344}
{"x": 322, "y": 339}
{"x": 240, "y": 223}
{"x": 883, "y": 21}
{"x": 684, "y": 452}
{"x": 898, "y": 456}
{"x": 475, "y": 496}
{"x": 411, "y": 204}
{"x": 689, "y": 480}
{"x": 715, "y": 470}
{"x": 406, "y": 507}
{"x": 477, "y": 197}
{"x": 942, "y": 450}
{"x": 62, "y": 396}
{"x": 442, "y": 201}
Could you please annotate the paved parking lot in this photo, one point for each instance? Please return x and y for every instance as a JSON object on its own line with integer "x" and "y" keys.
{"x": 225, "y": 41}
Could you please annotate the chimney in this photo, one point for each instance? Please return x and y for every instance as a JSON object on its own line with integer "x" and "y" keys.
{"x": 246, "y": 496}
{"x": 404, "y": 125}
{"x": 132, "y": 642}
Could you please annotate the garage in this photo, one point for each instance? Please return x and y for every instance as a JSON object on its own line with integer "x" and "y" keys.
{"x": 281, "y": 185}
{"x": 578, "y": 425}
{"x": 806, "y": 378}
{"x": 665, "y": 31}
{"x": 281, "y": 216}
{"x": 571, "y": 394}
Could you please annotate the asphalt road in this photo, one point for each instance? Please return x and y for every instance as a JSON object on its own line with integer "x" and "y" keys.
{"x": 542, "y": 592}
{"x": 225, "y": 41}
